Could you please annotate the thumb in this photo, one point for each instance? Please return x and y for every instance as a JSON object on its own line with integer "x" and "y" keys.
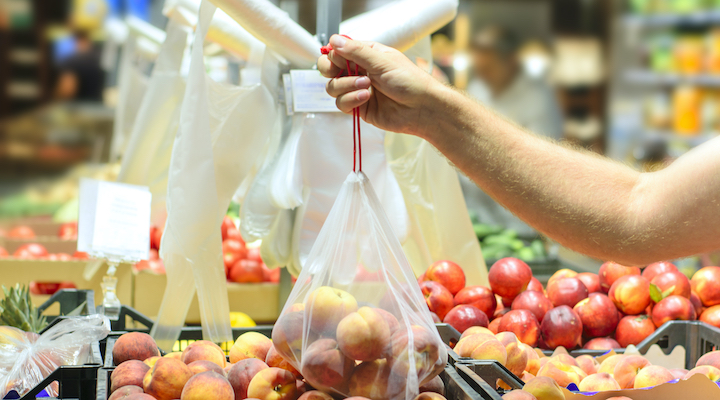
{"x": 365, "y": 54}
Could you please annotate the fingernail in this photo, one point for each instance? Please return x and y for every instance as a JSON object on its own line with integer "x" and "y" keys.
{"x": 362, "y": 82}
{"x": 363, "y": 95}
{"x": 337, "y": 41}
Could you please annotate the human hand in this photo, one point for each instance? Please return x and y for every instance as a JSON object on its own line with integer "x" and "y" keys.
{"x": 392, "y": 93}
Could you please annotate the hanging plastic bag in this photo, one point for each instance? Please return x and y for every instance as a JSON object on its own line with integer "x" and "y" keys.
{"x": 223, "y": 130}
{"x": 147, "y": 155}
{"x": 353, "y": 338}
{"x": 26, "y": 358}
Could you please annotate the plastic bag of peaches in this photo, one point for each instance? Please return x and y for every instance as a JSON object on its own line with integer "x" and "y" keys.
{"x": 349, "y": 337}
{"x": 27, "y": 358}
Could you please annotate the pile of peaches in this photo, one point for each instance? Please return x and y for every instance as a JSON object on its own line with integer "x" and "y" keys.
{"x": 615, "y": 308}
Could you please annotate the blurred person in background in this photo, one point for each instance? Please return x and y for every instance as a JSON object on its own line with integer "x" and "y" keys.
{"x": 81, "y": 77}
{"x": 501, "y": 83}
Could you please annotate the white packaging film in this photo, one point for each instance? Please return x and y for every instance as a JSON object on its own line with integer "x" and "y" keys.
{"x": 379, "y": 335}
{"x": 223, "y": 130}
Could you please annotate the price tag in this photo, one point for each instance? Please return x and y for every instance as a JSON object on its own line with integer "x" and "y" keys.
{"x": 114, "y": 220}
{"x": 308, "y": 92}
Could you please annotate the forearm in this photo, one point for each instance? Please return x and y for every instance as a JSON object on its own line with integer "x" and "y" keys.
{"x": 585, "y": 202}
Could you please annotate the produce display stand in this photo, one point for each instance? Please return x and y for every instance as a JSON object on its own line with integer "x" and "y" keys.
{"x": 51, "y": 243}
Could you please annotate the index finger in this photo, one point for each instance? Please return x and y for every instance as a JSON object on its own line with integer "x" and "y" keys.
{"x": 327, "y": 68}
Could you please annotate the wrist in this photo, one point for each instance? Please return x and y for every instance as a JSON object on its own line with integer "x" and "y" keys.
{"x": 437, "y": 111}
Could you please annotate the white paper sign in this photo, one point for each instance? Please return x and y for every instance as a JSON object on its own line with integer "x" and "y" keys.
{"x": 308, "y": 92}
{"x": 114, "y": 219}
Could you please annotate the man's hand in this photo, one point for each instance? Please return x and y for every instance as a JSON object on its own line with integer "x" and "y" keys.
{"x": 392, "y": 92}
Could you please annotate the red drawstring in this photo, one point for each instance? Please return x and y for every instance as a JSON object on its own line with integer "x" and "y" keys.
{"x": 357, "y": 144}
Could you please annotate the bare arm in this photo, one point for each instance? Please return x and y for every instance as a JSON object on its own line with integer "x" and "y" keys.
{"x": 585, "y": 202}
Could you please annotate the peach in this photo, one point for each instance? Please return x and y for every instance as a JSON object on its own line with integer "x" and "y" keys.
{"x": 633, "y": 329}
{"x": 631, "y": 294}
{"x": 326, "y": 306}
{"x": 711, "y": 316}
{"x": 517, "y": 358}
{"x": 174, "y": 354}
{"x": 129, "y": 373}
{"x": 518, "y": 394}
{"x": 652, "y": 375}
{"x": 166, "y": 379}
{"x": 523, "y": 324}
{"x": 610, "y": 272}
{"x": 390, "y": 319}
{"x": 363, "y": 335}
{"x": 591, "y": 281}
{"x": 654, "y": 269}
{"x": 619, "y": 398}
{"x": 475, "y": 329}
{"x": 708, "y": 370}
{"x": 250, "y": 345}
{"x": 482, "y": 347}
{"x": 151, "y": 361}
{"x": 712, "y": 358}
{"x": 598, "y": 315}
{"x": 608, "y": 364}
{"x": 544, "y": 388}
{"x": 508, "y": 277}
{"x": 627, "y": 369}
{"x": 375, "y": 380}
{"x": 207, "y": 385}
{"x": 602, "y": 343}
{"x": 435, "y": 385}
{"x": 287, "y": 335}
{"x": 242, "y": 373}
{"x": 314, "y": 395}
{"x": 200, "y": 366}
{"x": 125, "y": 391}
{"x": 427, "y": 396}
{"x": 706, "y": 283}
{"x": 427, "y": 351}
{"x": 533, "y": 301}
{"x": 204, "y": 350}
{"x": 479, "y": 297}
{"x": 274, "y": 359}
{"x": 140, "y": 396}
{"x": 587, "y": 363}
{"x": 438, "y": 299}
{"x": 134, "y": 346}
{"x": 672, "y": 308}
{"x": 273, "y": 384}
{"x": 672, "y": 283}
{"x": 599, "y": 382}
{"x": 448, "y": 274}
{"x": 325, "y": 367}
{"x": 678, "y": 373}
{"x": 563, "y": 374}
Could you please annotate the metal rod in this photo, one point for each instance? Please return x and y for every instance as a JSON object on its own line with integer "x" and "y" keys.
{"x": 329, "y": 14}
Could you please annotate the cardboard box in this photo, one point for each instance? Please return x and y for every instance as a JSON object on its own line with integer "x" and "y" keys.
{"x": 258, "y": 300}
{"x": 13, "y": 271}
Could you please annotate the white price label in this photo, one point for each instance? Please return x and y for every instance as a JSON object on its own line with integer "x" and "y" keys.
{"x": 308, "y": 92}
{"x": 114, "y": 219}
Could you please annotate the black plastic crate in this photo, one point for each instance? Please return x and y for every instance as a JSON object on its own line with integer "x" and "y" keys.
{"x": 479, "y": 386}
{"x": 490, "y": 372}
{"x": 69, "y": 301}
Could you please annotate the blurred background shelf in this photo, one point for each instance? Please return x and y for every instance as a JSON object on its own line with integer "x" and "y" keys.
{"x": 662, "y": 20}
{"x": 645, "y": 77}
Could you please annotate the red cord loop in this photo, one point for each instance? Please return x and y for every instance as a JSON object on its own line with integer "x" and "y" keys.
{"x": 357, "y": 142}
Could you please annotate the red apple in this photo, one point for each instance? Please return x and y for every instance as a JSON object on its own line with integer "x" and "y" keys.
{"x": 464, "y": 316}
{"x": 439, "y": 300}
{"x": 695, "y": 299}
{"x": 234, "y": 234}
{"x": 227, "y": 223}
{"x": 509, "y": 276}
{"x": 561, "y": 327}
{"x": 598, "y": 315}
{"x": 81, "y": 255}
{"x": 254, "y": 254}
{"x": 633, "y": 329}
{"x": 562, "y": 274}
{"x": 533, "y": 301}
{"x": 591, "y": 281}
{"x": 30, "y": 250}
{"x": 494, "y": 325}
{"x": 479, "y": 297}
{"x": 21, "y": 232}
{"x": 672, "y": 283}
{"x": 658, "y": 268}
{"x": 3, "y": 252}
{"x": 271, "y": 274}
{"x": 566, "y": 291}
{"x": 711, "y": 316}
{"x": 631, "y": 294}
{"x": 246, "y": 271}
{"x": 604, "y": 343}
{"x": 535, "y": 285}
{"x": 68, "y": 231}
{"x": 233, "y": 251}
{"x": 673, "y": 308}
{"x": 155, "y": 237}
{"x": 611, "y": 271}
{"x": 706, "y": 283}
{"x": 523, "y": 324}
{"x": 448, "y": 274}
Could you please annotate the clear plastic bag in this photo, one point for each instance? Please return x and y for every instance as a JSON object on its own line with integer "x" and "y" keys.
{"x": 26, "y": 358}
{"x": 333, "y": 320}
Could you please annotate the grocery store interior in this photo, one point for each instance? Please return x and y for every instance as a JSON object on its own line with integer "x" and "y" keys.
{"x": 131, "y": 129}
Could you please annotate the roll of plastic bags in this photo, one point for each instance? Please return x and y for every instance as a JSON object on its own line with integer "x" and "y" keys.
{"x": 401, "y": 24}
{"x": 223, "y": 30}
{"x": 147, "y": 154}
{"x": 275, "y": 28}
{"x": 324, "y": 158}
{"x": 332, "y": 308}
{"x": 223, "y": 130}
{"x": 26, "y": 359}
{"x": 440, "y": 226}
